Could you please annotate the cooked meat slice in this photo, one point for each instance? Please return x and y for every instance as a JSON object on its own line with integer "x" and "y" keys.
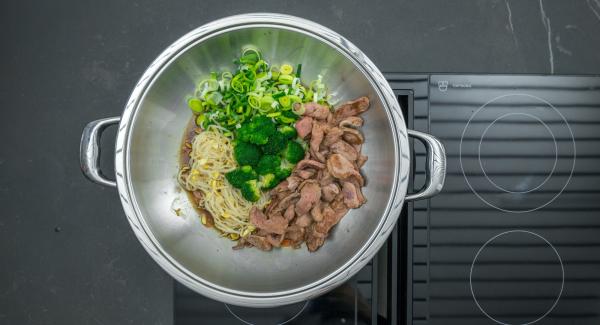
{"x": 304, "y": 126}
{"x": 276, "y": 224}
{"x": 353, "y": 136}
{"x": 328, "y": 211}
{"x": 310, "y": 194}
{"x": 329, "y": 192}
{"x": 313, "y": 243}
{"x": 350, "y": 195}
{"x": 315, "y": 110}
{"x": 344, "y": 149}
{"x": 330, "y": 119}
{"x": 330, "y": 218}
{"x": 352, "y": 108}
{"x": 186, "y": 151}
{"x": 317, "y": 232}
{"x": 332, "y": 135}
{"x": 316, "y": 212}
{"x": 316, "y": 137}
{"x": 295, "y": 233}
{"x": 303, "y": 221}
{"x": 259, "y": 242}
{"x": 338, "y": 203}
{"x": 281, "y": 187}
{"x": 293, "y": 182}
{"x": 306, "y": 173}
{"x": 196, "y": 199}
{"x": 241, "y": 244}
{"x": 341, "y": 168}
{"x": 302, "y": 164}
{"x": 261, "y": 232}
{"x": 289, "y": 213}
{"x": 306, "y": 182}
{"x": 274, "y": 240}
{"x": 210, "y": 221}
{"x": 272, "y": 205}
{"x": 351, "y": 122}
{"x": 285, "y": 202}
{"x": 359, "y": 194}
{"x": 362, "y": 159}
{"x": 325, "y": 178}
{"x": 280, "y": 201}
{"x": 197, "y": 194}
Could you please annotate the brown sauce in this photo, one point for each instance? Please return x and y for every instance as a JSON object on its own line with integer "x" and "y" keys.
{"x": 191, "y": 130}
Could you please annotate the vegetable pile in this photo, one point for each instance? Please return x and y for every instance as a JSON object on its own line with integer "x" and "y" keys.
{"x": 266, "y": 154}
{"x": 257, "y": 106}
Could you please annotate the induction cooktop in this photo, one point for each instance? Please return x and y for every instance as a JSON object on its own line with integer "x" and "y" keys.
{"x": 513, "y": 238}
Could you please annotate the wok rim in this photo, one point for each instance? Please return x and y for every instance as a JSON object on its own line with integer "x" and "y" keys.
{"x": 361, "y": 256}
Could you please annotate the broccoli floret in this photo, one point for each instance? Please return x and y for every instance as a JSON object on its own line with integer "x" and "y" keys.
{"x": 246, "y": 153}
{"x": 256, "y": 131}
{"x": 283, "y": 173}
{"x": 268, "y": 181}
{"x": 239, "y": 176}
{"x": 290, "y": 115}
{"x": 288, "y": 132}
{"x": 250, "y": 190}
{"x": 275, "y": 144}
{"x": 293, "y": 152}
{"x": 285, "y": 170}
{"x": 268, "y": 164}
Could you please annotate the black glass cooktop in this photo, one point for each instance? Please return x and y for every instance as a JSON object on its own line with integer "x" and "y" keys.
{"x": 514, "y": 237}
{"x": 352, "y": 303}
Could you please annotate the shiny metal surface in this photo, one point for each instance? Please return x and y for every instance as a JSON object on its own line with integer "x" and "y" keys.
{"x": 147, "y": 151}
{"x": 436, "y": 166}
{"x": 89, "y": 150}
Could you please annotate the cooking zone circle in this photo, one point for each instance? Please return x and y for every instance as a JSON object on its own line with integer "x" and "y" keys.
{"x": 517, "y": 270}
{"x": 505, "y": 187}
{"x": 259, "y": 316}
{"x": 545, "y": 153}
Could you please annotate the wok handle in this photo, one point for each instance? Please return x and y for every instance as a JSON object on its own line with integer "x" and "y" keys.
{"x": 436, "y": 166}
{"x": 89, "y": 150}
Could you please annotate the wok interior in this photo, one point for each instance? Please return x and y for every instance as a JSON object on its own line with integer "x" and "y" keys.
{"x": 154, "y": 162}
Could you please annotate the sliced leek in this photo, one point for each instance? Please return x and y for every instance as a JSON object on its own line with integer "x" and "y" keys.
{"x": 229, "y": 99}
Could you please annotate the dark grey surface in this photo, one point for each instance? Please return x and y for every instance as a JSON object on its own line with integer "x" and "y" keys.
{"x": 500, "y": 189}
{"x": 67, "y": 253}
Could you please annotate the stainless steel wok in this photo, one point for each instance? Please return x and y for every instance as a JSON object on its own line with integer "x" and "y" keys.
{"x": 147, "y": 151}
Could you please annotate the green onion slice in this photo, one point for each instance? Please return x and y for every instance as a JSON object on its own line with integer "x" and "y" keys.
{"x": 195, "y": 105}
{"x": 254, "y": 101}
{"x": 285, "y": 101}
{"x": 200, "y": 119}
{"x": 275, "y": 72}
{"x": 237, "y": 84}
{"x": 214, "y": 98}
{"x": 285, "y": 119}
{"x": 286, "y": 69}
{"x": 286, "y": 79}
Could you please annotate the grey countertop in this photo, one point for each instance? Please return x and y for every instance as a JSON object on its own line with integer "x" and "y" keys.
{"x": 67, "y": 253}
